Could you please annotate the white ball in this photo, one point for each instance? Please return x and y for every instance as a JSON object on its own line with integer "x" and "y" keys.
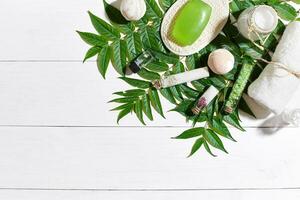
{"x": 221, "y": 61}
{"x": 133, "y": 10}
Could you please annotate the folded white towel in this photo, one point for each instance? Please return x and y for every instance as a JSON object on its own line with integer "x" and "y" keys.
{"x": 275, "y": 87}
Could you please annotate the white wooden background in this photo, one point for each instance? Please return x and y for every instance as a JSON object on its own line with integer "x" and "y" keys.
{"x": 58, "y": 140}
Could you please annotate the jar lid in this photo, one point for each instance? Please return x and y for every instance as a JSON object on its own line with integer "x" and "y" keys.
{"x": 264, "y": 18}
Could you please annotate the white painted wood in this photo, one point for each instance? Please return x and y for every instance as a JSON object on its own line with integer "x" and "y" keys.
{"x": 45, "y": 30}
{"x": 150, "y": 195}
{"x": 72, "y": 94}
{"x": 144, "y": 158}
{"x": 62, "y": 94}
{"x": 60, "y": 91}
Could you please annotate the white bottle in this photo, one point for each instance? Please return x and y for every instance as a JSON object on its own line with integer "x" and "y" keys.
{"x": 257, "y": 22}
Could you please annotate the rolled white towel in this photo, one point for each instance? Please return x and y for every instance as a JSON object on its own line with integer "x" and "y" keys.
{"x": 275, "y": 87}
{"x": 288, "y": 50}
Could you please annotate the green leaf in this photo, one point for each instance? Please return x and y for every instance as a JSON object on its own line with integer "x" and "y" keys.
{"x": 198, "y": 86}
{"x": 210, "y": 111}
{"x": 118, "y": 56}
{"x": 136, "y": 82}
{"x": 166, "y": 4}
{"x": 176, "y": 93}
{"x": 91, "y": 53}
{"x": 114, "y": 14}
{"x": 138, "y": 43}
{"x": 155, "y": 101}
{"x": 220, "y": 128}
{"x": 199, "y": 142}
{"x": 157, "y": 66}
{"x": 233, "y": 120}
{"x": 103, "y": 28}
{"x": 216, "y": 81}
{"x": 150, "y": 39}
{"x": 236, "y": 6}
{"x": 138, "y": 111}
{"x": 194, "y": 132}
{"x": 124, "y": 100}
{"x": 244, "y": 107}
{"x": 103, "y": 60}
{"x": 178, "y": 68}
{"x": 213, "y": 140}
{"x": 153, "y": 10}
{"x": 123, "y": 106}
{"x": 146, "y": 106}
{"x": 251, "y": 50}
{"x": 117, "y": 19}
{"x": 156, "y": 42}
{"x": 134, "y": 45}
{"x": 166, "y": 92}
{"x": 188, "y": 92}
{"x": 170, "y": 59}
{"x": 274, "y": 38}
{"x": 123, "y": 113}
{"x": 92, "y": 39}
{"x": 148, "y": 75}
{"x": 286, "y": 11}
{"x": 131, "y": 93}
{"x": 190, "y": 62}
{"x": 184, "y": 106}
{"x": 208, "y": 149}
{"x": 145, "y": 38}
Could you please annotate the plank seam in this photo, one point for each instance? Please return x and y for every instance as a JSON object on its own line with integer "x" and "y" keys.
{"x": 91, "y": 126}
{"x": 45, "y": 61}
{"x": 152, "y": 190}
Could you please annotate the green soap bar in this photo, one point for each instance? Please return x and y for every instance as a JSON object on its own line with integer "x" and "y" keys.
{"x": 189, "y": 23}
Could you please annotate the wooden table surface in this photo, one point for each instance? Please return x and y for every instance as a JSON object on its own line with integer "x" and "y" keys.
{"x": 59, "y": 141}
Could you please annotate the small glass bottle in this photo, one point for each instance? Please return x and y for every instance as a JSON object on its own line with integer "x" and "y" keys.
{"x": 257, "y": 22}
{"x": 141, "y": 61}
{"x": 291, "y": 117}
{"x": 205, "y": 99}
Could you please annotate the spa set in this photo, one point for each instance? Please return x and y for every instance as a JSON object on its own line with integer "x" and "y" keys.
{"x": 202, "y": 56}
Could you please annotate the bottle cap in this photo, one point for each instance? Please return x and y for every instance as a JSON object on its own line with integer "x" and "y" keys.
{"x": 134, "y": 67}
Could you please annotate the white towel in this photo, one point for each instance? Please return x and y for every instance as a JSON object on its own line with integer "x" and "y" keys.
{"x": 275, "y": 87}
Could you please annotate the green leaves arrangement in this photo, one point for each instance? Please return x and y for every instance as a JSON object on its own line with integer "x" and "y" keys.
{"x": 120, "y": 41}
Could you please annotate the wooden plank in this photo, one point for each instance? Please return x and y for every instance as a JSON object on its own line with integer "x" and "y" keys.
{"x": 150, "y": 195}
{"x": 45, "y": 30}
{"x": 62, "y": 94}
{"x": 144, "y": 158}
{"x": 72, "y": 94}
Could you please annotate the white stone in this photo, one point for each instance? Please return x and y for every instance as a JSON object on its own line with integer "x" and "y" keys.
{"x": 133, "y": 10}
{"x": 221, "y": 61}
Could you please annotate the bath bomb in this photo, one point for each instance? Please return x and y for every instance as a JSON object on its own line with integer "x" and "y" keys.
{"x": 221, "y": 61}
